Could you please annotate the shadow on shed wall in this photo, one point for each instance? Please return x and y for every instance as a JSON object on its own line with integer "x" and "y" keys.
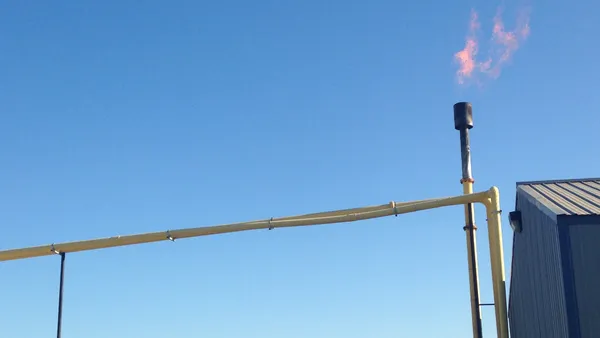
{"x": 537, "y": 303}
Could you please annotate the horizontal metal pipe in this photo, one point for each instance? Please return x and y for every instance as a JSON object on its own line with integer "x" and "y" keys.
{"x": 339, "y": 216}
{"x": 355, "y": 210}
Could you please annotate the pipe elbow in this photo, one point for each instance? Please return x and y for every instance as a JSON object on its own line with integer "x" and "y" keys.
{"x": 494, "y": 192}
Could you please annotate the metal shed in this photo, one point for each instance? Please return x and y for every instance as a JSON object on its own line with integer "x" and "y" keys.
{"x": 555, "y": 269}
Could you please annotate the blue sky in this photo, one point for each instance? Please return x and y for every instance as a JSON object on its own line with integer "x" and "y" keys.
{"x": 124, "y": 117}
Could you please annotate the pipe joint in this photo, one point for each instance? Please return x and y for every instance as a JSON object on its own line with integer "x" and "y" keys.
{"x": 393, "y": 206}
{"x": 271, "y": 226}
{"x": 468, "y": 227}
{"x": 467, "y": 180}
{"x": 494, "y": 193}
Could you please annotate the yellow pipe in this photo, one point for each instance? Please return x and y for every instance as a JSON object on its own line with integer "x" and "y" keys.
{"x": 354, "y": 210}
{"x": 493, "y": 213}
{"x": 472, "y": 260}
{"x": 490, "y": 199}
{"x": 312, "y": 219}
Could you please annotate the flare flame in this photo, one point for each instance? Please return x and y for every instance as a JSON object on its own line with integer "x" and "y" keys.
{"x": 505, "y": 45}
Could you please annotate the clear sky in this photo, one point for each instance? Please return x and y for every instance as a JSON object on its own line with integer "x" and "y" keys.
{"x": 122, "y": 117}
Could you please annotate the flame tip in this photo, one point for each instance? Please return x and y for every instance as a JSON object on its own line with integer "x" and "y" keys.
{"x": 507, "y": 43}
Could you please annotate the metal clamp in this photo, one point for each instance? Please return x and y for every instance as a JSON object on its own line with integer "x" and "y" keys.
{"x": 53, "y": 250}
{"x": 271, "y": 227}
{"x": 494, "y": 213}
{"x": 169, "y": 237}
{"x": 393, "y": 203}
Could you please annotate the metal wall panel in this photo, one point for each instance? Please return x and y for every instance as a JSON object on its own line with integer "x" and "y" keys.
{"x": 537, "y": 300}
{"x": 585, "y": 255}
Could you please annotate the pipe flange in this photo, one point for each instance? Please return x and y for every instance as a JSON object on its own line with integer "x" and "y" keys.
{"x": 468, "y": 227}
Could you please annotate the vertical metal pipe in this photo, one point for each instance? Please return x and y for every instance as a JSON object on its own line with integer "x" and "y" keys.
{"x": 497, "y": 262}
{"x": 60, "y": 294}
{"x": 463, "y": 121}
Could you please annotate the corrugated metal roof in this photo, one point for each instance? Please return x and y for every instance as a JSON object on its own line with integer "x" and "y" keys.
{"x": 566, "y": 197}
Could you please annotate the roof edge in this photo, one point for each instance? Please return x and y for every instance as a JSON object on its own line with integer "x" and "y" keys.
{"x": 567, "y": 180}
{"x": 553, "y": 214}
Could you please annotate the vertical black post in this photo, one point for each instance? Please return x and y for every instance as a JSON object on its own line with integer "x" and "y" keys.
{"x": 463, "y": 121}
{"x": 60, "y": 294}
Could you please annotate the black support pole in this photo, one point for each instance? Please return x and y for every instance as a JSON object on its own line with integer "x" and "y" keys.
{"x": 60, "y": 294}
{"x": 463, "y": 122}
{"x": 475, "y": 275}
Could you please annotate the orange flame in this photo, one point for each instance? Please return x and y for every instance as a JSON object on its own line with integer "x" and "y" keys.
{"x": 507, "y": 42}
{"x": 467, "y": 57}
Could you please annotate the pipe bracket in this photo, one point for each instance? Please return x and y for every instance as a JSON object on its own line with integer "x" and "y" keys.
{"x": 495, "y": 212}
{"x": 271, "y": 227}
{"x": 54, "y": 250}
{"x": 169, "y": 237}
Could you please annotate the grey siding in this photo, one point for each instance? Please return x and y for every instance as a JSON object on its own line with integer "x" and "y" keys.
{"x": 585, "y": 255}
{"x": 537, "y": 303}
